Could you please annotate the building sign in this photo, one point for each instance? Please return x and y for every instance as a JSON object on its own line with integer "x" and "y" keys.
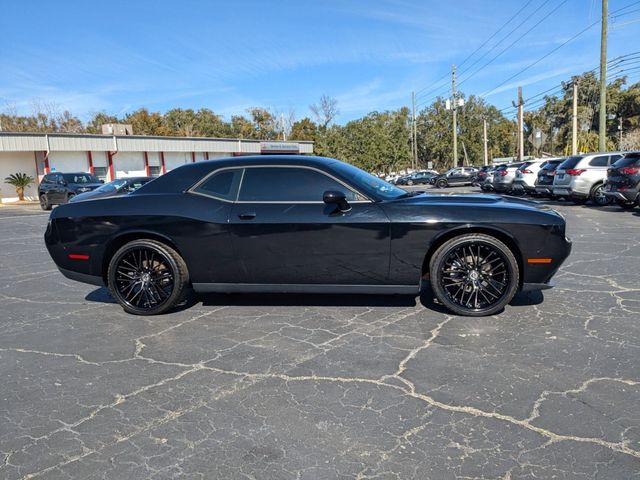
{"x": 279, "y": 147}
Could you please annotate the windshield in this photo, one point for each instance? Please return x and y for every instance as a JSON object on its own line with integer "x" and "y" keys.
{"x": 369, "y": 184}
{"x": 112, "y": 186}
{"x": 80, "y": 178}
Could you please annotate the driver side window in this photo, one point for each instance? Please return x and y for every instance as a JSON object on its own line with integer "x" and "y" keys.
{"x": 289, "y": 184}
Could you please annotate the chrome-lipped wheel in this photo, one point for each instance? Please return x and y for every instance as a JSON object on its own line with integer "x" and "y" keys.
{"x": 144, "y": 278}
{"x": 475, "y": 276}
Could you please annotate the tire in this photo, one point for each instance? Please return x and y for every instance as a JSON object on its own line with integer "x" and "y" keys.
{"x": 44, "y": 203}
{"x": 626, "y": 205}
{"x": 147, "y": 277}
{"x": 597, "y": 196}
{"x": 441, "y": 183}
{"x": 494, "y": 283}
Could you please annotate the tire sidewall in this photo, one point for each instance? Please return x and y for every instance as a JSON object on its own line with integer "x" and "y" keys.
{"x": 440, "y": 256}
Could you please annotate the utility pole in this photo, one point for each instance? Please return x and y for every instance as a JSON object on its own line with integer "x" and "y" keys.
{"x": 574, "y": 119}
{"x": 414, "y": 132}
{"x": 620, "y": 133}
{"x": 520, "y": 106}
{"x": 602, "y": 133}
{"x": 484, "y": 132}
{"x": 454, "y": 106}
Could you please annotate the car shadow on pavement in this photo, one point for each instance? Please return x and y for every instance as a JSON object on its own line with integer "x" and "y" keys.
{"x": 426, "y": 299}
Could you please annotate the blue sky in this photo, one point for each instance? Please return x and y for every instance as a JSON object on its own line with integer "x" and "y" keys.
{"x": 118, "y": 56}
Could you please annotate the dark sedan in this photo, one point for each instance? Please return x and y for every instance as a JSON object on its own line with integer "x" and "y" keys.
{"x": 544, "y": 181}
{"x": 121, "y": 186}
{"x": 623, "y": 181}
{"x": 416, "y": 178}
{"x": 304, "y": 224}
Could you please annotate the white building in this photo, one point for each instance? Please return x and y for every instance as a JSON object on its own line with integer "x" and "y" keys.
{"x": 110, "y": 156}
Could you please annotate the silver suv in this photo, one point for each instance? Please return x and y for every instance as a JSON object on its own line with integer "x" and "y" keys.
{"x": 503, "y": 177}
{"x": 581, "y": 177}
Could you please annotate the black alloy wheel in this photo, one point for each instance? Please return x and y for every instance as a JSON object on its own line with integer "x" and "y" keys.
{"x": 44, "y": 203}
{"x": 147, "y": 277}
{"x": 442, "y": 183}
{"x": 598, "y": 197}
{"x": 474, "y": 275}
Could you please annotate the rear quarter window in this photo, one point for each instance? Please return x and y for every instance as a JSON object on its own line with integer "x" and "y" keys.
{"x": 570, "y": 162}
{"x": 222, "y": 185}
{"x": 627, "y": 162}
{"x": 599, "y": 161}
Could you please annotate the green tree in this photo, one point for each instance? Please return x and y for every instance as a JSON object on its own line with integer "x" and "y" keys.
{"x": 304, "y": 129}
{"x": 20, "y": 181}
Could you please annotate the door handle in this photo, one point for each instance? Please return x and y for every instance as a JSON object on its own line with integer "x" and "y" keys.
{"x": 246, "y": 216}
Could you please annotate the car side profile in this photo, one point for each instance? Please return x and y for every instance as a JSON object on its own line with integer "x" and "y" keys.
{"x": 60, "y": 188}
{"x": 416, "y": 178}
{"x": 304, "y": 224}
{"x": 581, "y": 178}
{"x": 455, "y": 176}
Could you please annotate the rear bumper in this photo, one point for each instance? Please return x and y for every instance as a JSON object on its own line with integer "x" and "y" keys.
{"x": 82, "y": 277}
{"x": 627, "y": 196}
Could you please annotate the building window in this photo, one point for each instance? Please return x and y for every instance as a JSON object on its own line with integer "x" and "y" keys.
{"x": 100, "y": 172}
{"x": 154, "y": 170}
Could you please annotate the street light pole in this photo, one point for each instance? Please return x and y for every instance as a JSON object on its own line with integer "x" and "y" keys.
{"x": 454, "y": 106}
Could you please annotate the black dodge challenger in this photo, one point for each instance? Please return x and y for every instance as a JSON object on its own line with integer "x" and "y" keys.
{"x": 304, "y": 224}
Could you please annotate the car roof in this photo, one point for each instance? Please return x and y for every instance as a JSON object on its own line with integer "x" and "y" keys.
{"x": 181, "y": 178}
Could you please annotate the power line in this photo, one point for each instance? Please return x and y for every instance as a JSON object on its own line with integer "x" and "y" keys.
{"x": 515, "y": 41}
{"x": 446, "y": 75}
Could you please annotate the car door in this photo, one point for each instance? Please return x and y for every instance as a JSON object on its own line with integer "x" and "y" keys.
{"x": 455, "y": 176}
{"x": 284, "y": 233}
{"x": 57, "y": 191}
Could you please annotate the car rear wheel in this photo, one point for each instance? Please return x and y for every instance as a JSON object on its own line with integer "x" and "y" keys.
{"x": 44, "y": 203}
{"x": 598, "y": 197}
{"x": 147, "y": 277}
{"x": 474, "y": 275}
{"x": 441, "y": 183}
{"x": 626, "y": 205}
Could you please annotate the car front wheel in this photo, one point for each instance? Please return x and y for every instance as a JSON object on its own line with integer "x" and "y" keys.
{"x": 147, "y": 277}
{"x": 474, "y": 275}
{"x": 441, "y": 183}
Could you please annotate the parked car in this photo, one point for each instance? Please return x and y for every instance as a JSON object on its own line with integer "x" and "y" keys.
{"x": 455, "y": 176}
{"x": 544, "y": 182}
{"x": 581, "y": 177}
{"x": 623, "y": 181}
{"x": 526, "y": 176}
{"x": 59, "y": 188}
{"x": 303, "y": 224}
{"x": 480, "y": 175}
{"x": 504, "y": 176}
{"x": 121, "y": 186}
{"x": 487, "y": 185}
{"x": 416, "y": 178}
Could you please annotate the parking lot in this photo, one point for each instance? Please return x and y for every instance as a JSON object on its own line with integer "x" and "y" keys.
{"x": 324, "y": 387}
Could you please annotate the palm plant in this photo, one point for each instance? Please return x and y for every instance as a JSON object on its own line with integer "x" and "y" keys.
{"x": 20, "y": 181}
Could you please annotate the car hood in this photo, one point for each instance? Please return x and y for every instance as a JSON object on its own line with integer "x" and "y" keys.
{"x": 472, "y": 200}
{"x": 91, "y": 195}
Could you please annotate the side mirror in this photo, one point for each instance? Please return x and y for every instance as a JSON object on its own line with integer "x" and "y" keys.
{"x": 338, "y": 199}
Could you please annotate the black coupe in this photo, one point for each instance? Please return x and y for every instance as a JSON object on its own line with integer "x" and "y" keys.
{"x": 304, "y": 224}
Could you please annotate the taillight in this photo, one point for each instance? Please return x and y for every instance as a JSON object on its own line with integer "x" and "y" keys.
{"x": 503, "y": 173}
{"x": 574, "y": 172}
{"x": 630, "y": 170}
{"x": 526, "y": 170}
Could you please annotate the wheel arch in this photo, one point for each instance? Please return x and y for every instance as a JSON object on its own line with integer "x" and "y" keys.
{"x": 500, "y": 234}
{"x": 129, "y": 236}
